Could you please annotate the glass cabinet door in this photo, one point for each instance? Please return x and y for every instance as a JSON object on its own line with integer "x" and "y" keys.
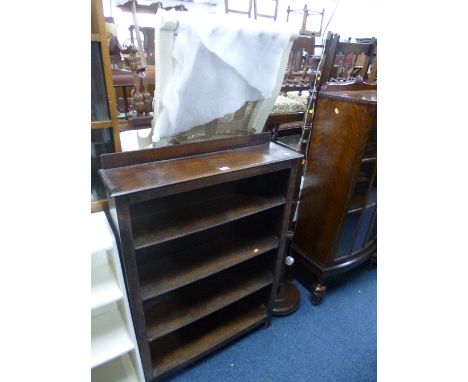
{"x": 101, "y": 143}
{"x": 361, "y": 210}
{"x": 367, "y": 217}
{"x": 99, "y": 107}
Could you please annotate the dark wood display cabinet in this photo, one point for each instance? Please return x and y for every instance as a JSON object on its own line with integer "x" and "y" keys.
{"x": 201, "y": 229}
{"x": 337, "y": 215}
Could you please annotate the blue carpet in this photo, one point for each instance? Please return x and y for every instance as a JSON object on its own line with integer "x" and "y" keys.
{"x": 332, "y": 342}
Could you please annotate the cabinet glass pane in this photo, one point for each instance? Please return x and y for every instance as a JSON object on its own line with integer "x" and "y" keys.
{"x": 366, "y": 221}
{"x": 371, "y": 146}
{"x": 360, "y": 212}
{"x": 99, "y": 107}
{"x": 291, "y": 140}
{"x": 101, "y": 143}
{"x": 364, "y": 177}
{"x": 372, "y": 234}
{"x": 347, "y": 234}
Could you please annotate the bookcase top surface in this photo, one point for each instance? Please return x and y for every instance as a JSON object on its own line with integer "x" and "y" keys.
{"x": 126, "y": 180}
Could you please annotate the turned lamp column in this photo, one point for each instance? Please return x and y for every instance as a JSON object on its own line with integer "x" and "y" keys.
{"x": 287, "y": 296}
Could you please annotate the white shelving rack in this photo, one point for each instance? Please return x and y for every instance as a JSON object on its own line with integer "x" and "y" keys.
{"x": 114, "y": 351}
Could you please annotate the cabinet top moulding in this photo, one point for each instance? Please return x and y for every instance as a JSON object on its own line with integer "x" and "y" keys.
{"x": 131, "y": 172}
{"x": 358, "y": 96}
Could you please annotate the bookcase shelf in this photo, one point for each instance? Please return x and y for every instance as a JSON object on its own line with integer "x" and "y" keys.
{"x": 114, "y": 351}
{"x": 104, "y": 287}
{"x": 172, "y": 223}
{"x": 204, "y": 338}
{"x": 196, "y": 303}
{"x": 118, "y": 370}
{"x": 109, "y": 337}
{"x": 202, "y": 229}
{"x": 177, "y": 270}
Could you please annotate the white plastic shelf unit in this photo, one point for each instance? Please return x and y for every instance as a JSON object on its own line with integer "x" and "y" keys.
{"x": 114, "y": 352}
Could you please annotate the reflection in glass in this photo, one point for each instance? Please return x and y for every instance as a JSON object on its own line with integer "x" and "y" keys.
{"x": 99, "y": 108}
{"x": 347, "y": 234}
{"x": 364, "y": 177}
{"x": 101, "y": 143}
{"x": 366, "y": 220}
{"x": 361, "y": 210}
{"x": 291, "y": 140}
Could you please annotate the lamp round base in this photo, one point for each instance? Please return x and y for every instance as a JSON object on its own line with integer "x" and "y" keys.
{"x": 287, "y": 299}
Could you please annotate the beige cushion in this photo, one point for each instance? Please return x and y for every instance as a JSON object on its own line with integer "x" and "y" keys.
{"x": 285, "y": 104}
{"x": 291, "y": 102}
{"x": 299, "y": 98}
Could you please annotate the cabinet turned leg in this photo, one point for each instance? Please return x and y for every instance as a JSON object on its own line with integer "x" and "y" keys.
{"x": 318, "y": 291}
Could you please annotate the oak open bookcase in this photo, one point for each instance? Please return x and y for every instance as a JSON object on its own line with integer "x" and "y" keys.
{"x": 201, "y": 229}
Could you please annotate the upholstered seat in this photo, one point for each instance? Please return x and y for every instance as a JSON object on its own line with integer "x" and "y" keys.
{"x": 292, "y": 102}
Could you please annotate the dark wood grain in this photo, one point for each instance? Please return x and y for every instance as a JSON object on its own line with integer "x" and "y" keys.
{"x": 205, "y": 339}
{"x": 337, "y": 183}
{"x": 172, "y": 223}
{"x": 347, "y": 86}
{"x": 131, "y": 158}
{"x": 202, "y": 246}
{"x": 180, "y": 269}
{"x": 191, "y": 304}
{"x": 121, "y": 212}
{"x": 131, "y": 179}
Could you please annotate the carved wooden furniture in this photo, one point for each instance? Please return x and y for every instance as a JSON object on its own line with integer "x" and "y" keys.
{"x": 298, "y": 76}
{"x": 305, "y": 14}
{"x": 258, "y": 14}
{"x": 287, "y": 114}
{"x": 336, "y": 223}
{"x": 252, "y": 5}
{"x": 238, "y": 11}
{"x": 201, "y": 228}
{"x": 104, "y": 123}
{"x": 344, "y": 61}
{"x": 341, "y": 62}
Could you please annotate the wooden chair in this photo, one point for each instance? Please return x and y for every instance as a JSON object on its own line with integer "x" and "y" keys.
{"x": 248, "y": 119}
{"x": 305, "y": 14}
{"x": 258, "y": 14}
{"x": 298, "y": 77}
{"x": 230, "y": 10}
{"x": 344, "y": 61}
{"x": 341, "y": 62}
{"x": 288, "y": 112}
{"x": 252, "y": 5}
